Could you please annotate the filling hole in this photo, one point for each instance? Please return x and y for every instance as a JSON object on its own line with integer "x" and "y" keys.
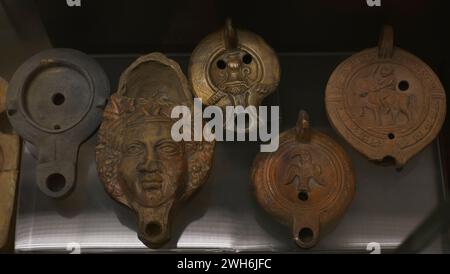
{"x": 247, "y": 59}
{"x": 303, "y": 196}
{"x": 58, "y": 99}
{"x": 221, "y": 64}
{"x": 403, "y": 85}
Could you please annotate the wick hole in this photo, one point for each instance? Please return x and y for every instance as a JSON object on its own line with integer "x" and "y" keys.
{"x": 153, "y": 229}
{"x": 56, "y": 182}
{"x": 306, "y": 235}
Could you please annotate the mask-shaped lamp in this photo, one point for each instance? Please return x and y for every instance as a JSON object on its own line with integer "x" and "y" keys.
{"x": 138, "y": 161}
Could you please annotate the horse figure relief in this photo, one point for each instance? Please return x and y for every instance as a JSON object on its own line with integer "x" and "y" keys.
{"x": 385, "y": 97}
{"x": 386, "y": 102}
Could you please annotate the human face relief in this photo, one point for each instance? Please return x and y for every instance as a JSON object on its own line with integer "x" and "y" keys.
{"x": 232, "y": 71}
{"x": 153, "y": 166}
